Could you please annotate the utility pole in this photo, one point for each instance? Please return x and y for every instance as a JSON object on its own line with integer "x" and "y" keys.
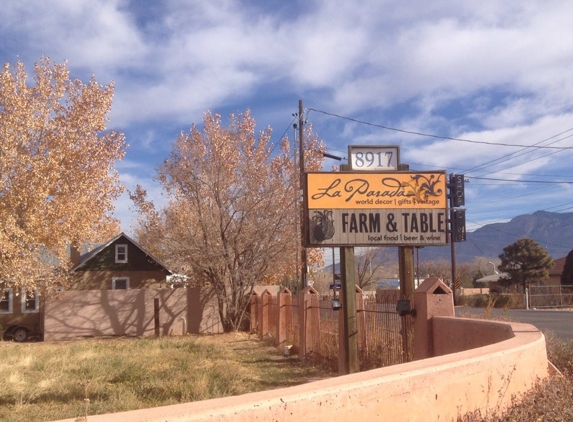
{"x": 303, "y": 222}
{"x": 406, "y": 262}
{"x": 297, "y": 211}
{"x": 406, "y": 271}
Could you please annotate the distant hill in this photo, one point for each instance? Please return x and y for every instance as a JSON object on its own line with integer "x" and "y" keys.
{"x": 553, "y": 231}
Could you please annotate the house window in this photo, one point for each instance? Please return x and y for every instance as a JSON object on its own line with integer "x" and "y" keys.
{"x": 121, "y": 254}
{"x": 6, "y": 301}
{"x": 30, "y": 301}
{"x": 120, "y": 283}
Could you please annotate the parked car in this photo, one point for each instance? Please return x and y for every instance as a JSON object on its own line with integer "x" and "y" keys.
{"x": 20, "y": 333}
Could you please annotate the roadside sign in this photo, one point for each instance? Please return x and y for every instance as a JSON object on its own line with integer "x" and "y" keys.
{"x": 374, "y": 209}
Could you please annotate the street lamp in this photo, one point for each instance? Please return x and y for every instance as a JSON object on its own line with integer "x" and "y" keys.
{"x": 494, "y": 270}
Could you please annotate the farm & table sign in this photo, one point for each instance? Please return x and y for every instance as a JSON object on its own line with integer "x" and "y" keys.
{"x": 374, "y": 209}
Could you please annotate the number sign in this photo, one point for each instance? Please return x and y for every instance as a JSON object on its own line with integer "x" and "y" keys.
{"x": 374, "y": 157}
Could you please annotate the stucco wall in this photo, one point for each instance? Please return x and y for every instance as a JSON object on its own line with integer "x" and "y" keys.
{"x": 451, "y": 336}
{"x": 102, "y": 280}
{"x": 434, "y": 389}
{"x": 89, "y": 313}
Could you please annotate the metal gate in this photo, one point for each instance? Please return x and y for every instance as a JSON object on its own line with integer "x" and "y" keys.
{"x": 550, "y": 296}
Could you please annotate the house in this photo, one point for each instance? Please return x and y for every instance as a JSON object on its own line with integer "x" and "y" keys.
{"x": 120, "y": 289}
{"x": 118, "y": 264}
{"x": 556, "y": 271}
{"x": 554, "y": 278}
{"x": 492, "y": 282}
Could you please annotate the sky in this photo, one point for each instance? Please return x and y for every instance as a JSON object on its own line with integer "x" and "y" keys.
{"x": 483, "y": 89}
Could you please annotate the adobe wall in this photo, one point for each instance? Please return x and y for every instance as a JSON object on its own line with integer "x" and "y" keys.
{"x": 450, "y": 335}
{"x": 92, "y": 313}
{"x": 438, "y": 388}
{"x": 102, "y": 280}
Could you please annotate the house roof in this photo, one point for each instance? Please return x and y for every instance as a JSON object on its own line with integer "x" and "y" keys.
{"x": 491, "y": 278}
{"x": 558, "y": 267}
{"x": 84, "y": 258}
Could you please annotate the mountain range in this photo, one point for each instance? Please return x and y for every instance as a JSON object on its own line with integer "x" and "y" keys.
{"x": 553, "y": 231}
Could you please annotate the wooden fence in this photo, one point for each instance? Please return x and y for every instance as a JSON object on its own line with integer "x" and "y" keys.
{"x": 308, "y": 325}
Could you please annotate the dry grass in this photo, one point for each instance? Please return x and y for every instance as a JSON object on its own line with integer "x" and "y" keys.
{"x": 44, "y": 381}
{"x": 550, "y": 400}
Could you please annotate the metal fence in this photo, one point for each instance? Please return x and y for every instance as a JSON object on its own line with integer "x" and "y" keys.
{"x": 388, "y": 337}
{"x": 550, "y": 296}
{"x": 384, "y": 338}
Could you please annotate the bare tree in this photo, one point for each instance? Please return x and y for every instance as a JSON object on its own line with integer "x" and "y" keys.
{"x": 230, "y": 221}
{"x": 373, "y": 264}
{"x": 439, "y": 268}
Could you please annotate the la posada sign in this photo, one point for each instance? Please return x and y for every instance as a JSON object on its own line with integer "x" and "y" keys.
{"x": 376, "y": 209}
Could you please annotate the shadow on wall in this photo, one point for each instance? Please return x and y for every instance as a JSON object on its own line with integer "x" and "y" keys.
{"x": 93, "y": 313}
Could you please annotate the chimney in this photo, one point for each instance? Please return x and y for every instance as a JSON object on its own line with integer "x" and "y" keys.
{"x": 74, "y": 255}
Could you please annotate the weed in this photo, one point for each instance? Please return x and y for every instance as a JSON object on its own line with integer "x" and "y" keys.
{"x": 549, "y": 400}
{"x": 73, "y": 380}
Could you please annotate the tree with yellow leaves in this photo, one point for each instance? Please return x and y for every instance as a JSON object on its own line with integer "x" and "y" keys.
{"x": 57, "y": 177}
{"x": 231, "y": 218}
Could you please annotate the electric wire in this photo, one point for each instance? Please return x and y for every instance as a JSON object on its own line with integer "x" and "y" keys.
{"x": 525, "y": 150}
{"x": 429, "y": 135}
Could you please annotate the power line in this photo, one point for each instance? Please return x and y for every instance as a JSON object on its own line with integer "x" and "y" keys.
{"x": 429, "y": 135}
{"x": 523, "y": 151}
{"x": 522, "y": 181}
{"x": 284, "y": 134}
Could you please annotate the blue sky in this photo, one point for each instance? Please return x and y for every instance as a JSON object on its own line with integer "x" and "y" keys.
{"x": 496, "y": 73}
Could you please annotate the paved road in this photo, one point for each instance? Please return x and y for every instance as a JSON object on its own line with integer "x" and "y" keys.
{"x": 559, "y": 323}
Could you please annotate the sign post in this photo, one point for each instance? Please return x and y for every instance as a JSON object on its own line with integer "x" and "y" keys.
{"x": 376, "y": 201}
{"x": 348, "y": 362}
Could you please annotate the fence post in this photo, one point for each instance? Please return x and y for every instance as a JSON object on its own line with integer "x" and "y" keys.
{"x": 284, "y": 301}
{"x": 309, "y": 321}
{"x": 254, "y": 314}
{"x": 156, "y": 316}
{"x": 432, "y": 298}
{"x": 343, "y": 360}
{"x": 361, "y": 319}
{"x": 264, "y": 314}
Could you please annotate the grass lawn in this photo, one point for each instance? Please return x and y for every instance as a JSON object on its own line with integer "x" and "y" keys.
{"x": 51, "y": 381}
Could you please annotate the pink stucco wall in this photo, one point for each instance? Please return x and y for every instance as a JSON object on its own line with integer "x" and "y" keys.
{"x": 435, "y": 389}
{"x": 93, "y": 313}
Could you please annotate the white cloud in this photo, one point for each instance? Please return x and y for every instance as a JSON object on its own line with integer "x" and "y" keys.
{"x": 95, "y": 35}
{"x": 489, "y": 70}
